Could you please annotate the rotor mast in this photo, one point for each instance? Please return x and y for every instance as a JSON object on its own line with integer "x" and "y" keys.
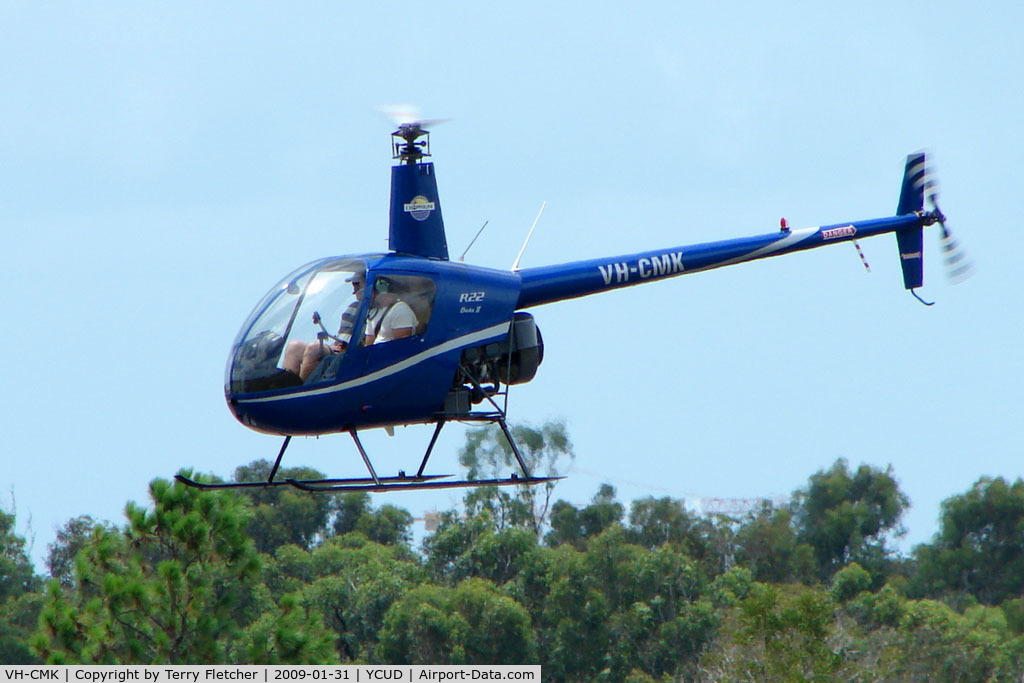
{"x": 416, "y": 226}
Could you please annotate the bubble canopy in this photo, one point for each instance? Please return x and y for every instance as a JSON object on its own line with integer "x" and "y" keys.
{"x": 314, "y": 306}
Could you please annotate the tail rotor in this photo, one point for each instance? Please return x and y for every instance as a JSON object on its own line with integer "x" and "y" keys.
{"x": 958, "y": 266}
{"x": 919, "y": 186}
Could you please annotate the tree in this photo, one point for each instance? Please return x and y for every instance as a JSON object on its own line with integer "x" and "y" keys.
{"x": 844, "y": 517}
{"x": 849, "y": 582}
{"x": 472, "y": 623}
{"x": 569, "y": 611}
{"x": 448, "y": 548}
{"x": 388, "y": 524}
{"x": 777, "y": 634}
{"x": 70, "y": 539}
{"x": 933, "y": 642}
{"x": 282, "y": 514}
{"x": 487, "y": 454}
{"x": 767, "y": 545}
{"x": 979, "y": 549}
{"x": 350, "y": 507}
{"x": 171, "y": 588}
{"x": 569, "y": 525}
{"x": 654, "y": 522}
{"x": 618, "y": 607}
{"x": 16, "y": 574}
{"x": 351, "y": 583}
{"x": 668, "y": 620}
{"x": 18, "y": 605}
{"x": 286, "y": 632}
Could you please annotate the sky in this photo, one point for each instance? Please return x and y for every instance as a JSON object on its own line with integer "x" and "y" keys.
{"x": 163, "y": 165}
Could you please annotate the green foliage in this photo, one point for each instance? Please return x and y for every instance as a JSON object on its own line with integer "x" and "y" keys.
{"x": 70, "y": 539}
{"x": 283, "y": 515}
{"x": 780, "y": 634}
{"x": 849, "y": 582}
{"x": 472, "y": 623}
{"x": 615, "y": 608}
{"x": 933, "y": 642}
{"x": 448, "y": 549}
{"x": 656, "y": 521}
{"x": 886, "y": 608}
{"x": 487, "y": 455}
{"x": 845, "y": 516}
{"x": 569, "y": 525}
{"x": 18, "y": 617}
{"x": 979, "y": 550}
{"x": 1013, "y": 611}
{"x": 808, "y": 591}
{"x": 16, "y": 574}
{"x": 767, "y": 544}
{"x": 289, "y": 632}
{"x": 731, "y": 587}
{"x": 350, "y": 583}
{"x": 388, "y": 524}
{"x": 19, "y": 604}
{"x": 171, "y": 588}
{"x": 569, "y": 609}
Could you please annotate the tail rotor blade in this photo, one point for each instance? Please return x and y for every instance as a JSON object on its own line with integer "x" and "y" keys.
{"x": 958, "y": 266}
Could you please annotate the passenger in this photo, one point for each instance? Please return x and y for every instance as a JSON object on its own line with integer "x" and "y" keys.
{"x": 390, "y": 318}
{"x": 302, "y": 358}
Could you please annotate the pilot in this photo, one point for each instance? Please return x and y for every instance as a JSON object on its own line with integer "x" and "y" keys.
{"x": 390, "y": 318}
{"x": 302, "y": 358}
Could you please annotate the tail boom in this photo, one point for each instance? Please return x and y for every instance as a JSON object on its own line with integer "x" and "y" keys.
{"x": 548, "y": 284}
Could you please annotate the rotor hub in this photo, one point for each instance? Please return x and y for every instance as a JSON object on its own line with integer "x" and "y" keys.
{"x": 406, "y": 144}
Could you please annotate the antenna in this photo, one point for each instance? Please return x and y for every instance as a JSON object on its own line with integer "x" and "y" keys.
{"x": 462, "y": 258}
{"x": 515, "y": 266}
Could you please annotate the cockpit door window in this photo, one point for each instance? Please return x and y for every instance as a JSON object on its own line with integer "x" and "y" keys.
{"x": 400, "y": 308}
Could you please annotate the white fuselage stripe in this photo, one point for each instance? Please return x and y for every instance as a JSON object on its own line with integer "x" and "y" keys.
{"x": 450, "y": 345}
{"x": 794, "y": 237}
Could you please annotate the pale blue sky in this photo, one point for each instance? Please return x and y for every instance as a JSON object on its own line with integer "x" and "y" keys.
{"x": 163, "y": 165}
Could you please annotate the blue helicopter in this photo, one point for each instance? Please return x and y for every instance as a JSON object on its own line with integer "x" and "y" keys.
{"x": 423, "y": 339}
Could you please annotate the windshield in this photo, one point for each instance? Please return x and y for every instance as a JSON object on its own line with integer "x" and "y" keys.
{"x": 299, "y": 332}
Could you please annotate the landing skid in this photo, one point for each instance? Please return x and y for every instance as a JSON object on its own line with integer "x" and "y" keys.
{"x": 355, "y": 483}
{"x": 412, "y": 484}
{"x": 401, "y": 482}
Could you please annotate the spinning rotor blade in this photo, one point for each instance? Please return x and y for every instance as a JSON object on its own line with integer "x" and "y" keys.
{"x": 958, "y": 266}
{"x": 407, "y": 115}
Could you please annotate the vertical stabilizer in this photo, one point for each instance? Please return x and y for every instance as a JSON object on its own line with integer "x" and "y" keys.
{"x": 911, "y": 240}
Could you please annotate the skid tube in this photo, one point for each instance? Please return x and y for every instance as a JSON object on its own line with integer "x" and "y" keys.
{"x": 401, "y": 482}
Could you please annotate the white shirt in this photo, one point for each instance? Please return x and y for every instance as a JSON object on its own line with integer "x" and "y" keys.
{"x": 399, "y": 316}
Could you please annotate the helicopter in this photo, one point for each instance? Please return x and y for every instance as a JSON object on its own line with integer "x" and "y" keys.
{"x": 427, "y": 340}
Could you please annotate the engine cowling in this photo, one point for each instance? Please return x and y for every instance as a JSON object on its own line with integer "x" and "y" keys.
{"x": 514, "y": 360}
{"x": 525, "y": 351}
